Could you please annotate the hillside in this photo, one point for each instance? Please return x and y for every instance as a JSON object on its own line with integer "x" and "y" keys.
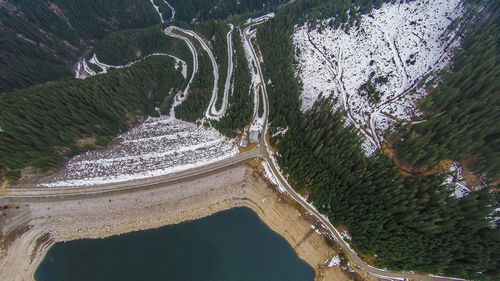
{"x": 371, "y": 69}
{"x": 44, "y": 124}
{"x": 40, "y": 40}
{"x": 402, "y": 221}
{"x": 381, "y": 115}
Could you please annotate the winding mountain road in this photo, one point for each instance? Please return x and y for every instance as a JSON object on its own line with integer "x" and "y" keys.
{"x": 215, "y": 67}
{"x": 212, "y": 111}
{"x": 352, "y": 255}
{"x": 263, "y": 152}
{"x": 181, "y": 96}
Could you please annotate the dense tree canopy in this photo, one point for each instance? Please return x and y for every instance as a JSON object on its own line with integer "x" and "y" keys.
{"x": 120, "y": 48}
{"x": 41, "y": 125}
{"x": 40, "y": 40}
{"x": 409, "y": 223}
{"x": 201, "y": 10}
{"x": 463, "y": 112}
{"x": 240, "y": 108}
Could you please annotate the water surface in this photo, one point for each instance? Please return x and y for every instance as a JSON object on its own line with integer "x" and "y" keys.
{"x": 233, "y": 245}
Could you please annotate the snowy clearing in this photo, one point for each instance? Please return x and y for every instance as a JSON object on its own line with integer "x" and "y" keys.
{"x": 372, "y": 70}
{"x": 158, "y": 146}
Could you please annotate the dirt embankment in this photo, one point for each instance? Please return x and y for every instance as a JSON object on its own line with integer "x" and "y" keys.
{"x": 45, "y": 223}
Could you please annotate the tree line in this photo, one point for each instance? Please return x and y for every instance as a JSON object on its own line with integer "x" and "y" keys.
{"x": 202, "y": 10}
{"x": 41, "y": 125}
{"x": 462, "y": 114}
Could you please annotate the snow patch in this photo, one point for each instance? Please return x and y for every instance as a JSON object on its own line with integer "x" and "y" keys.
{"x": 393, "y": 48}
{"x": 345, "y": 235}
{"x": 272, "y": 178}
{"x": 335, "y": 261}
{"x": 457, "y": 180}
{"x": 159, "y": 146}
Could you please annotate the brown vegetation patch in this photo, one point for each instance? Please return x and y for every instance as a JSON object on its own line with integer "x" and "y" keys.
{"x": 13, "y": 223}
{"x": 271, "y": 147}
{"x": 249, "y": 147}
{"x": 7, "y": 239}
{"x": 414, "y": 171}
{"x": 474, "y": 180}
{"x": 85, "y": 142}
{"x": 56, "y": 10}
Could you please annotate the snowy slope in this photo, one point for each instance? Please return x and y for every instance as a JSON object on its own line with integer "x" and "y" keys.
{"x": 398, "y": 43}
{"x": 158, "y": 146}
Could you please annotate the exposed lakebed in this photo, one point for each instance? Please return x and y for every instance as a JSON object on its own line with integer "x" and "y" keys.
{"x": 230, "y": 245}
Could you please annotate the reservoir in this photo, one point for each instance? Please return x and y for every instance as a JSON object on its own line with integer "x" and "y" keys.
{"x": 227, "y": 246}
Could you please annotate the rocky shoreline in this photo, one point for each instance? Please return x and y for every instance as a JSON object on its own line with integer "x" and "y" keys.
{"x": 46, "y": 223}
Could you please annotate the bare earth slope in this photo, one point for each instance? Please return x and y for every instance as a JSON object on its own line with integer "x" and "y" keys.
{"x": 56, "y": 220}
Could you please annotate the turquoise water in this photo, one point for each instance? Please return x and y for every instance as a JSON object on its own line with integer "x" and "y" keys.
{"x": 234, "y": 245}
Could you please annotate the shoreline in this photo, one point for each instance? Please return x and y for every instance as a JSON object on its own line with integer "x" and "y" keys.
{"x": 115, "y": 214}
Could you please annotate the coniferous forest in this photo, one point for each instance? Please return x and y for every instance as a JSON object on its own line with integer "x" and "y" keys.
{"x": 202, "y": 10}
{"x": 200, "y": 90}
{"x": 408, "y": 222}
{"x": 42, "y": 125}
{"x": 120, "y": 48}
{"x": 240, "y": 108}
{"x": 215, "y": 32}
{"x": 41, "y": 40}
{"x": 462, "y": 114}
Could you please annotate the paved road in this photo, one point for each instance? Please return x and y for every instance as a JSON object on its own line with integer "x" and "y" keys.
{"x": 352, "y": 255}
{"x": 261, "y": 152}
{"x": 40, "y": 193}
{"x": 181, "y": 96}
{"x": 212, "y": 111}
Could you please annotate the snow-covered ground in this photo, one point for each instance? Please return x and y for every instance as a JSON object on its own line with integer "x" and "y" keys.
{"x": 456, "y": 178}
{"x": 335, "y": 261}
{"x": 395, "y": 45}
{"x": 158, "y": 146}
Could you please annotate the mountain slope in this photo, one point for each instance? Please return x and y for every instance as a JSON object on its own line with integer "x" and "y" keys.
{"x": 40, "y": 40}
